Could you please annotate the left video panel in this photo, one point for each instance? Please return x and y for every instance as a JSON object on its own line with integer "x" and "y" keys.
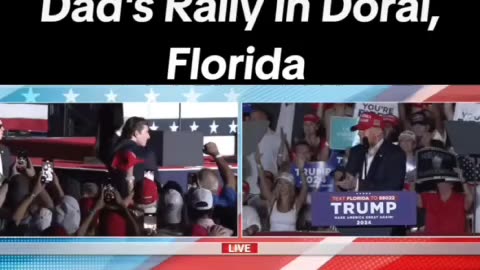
{"x": 118, "y": 169}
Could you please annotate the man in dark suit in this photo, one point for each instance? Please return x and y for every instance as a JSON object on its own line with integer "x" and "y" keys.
{"x": 374, "y": 165}
{"x": 5, "y": 157}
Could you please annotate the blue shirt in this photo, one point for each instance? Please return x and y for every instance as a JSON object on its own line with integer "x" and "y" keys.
{"x": 227, "y": 198}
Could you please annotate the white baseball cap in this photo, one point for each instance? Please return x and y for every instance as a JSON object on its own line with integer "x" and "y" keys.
{"x": 43, "y": 220}
{"x": 287, "y": 177}
{"x": 202, "y": 199}
{"x": 174, "y": 204}
{"x": 68, "y": 214}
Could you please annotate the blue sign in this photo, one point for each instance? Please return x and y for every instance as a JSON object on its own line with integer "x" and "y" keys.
{"x": 320, "y": 175}
{"x": 341, "y": 137}
{"x": 391, "y": 208}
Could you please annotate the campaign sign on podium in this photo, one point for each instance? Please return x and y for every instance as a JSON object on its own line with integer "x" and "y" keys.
{"x": 392, "y": 208}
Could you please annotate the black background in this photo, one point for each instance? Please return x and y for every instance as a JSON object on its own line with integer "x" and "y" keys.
{"x": 32, "y": 52}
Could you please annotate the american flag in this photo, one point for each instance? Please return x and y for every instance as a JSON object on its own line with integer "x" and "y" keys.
{"x": 25, "y": 117}
{"x": 216, "y": 121}
{"x": 470, "y": 168}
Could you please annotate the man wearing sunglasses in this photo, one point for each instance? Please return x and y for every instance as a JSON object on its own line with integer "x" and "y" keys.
{"x": 5, "y": 157}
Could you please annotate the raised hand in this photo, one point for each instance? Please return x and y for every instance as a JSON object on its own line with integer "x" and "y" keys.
{"x": 211, "y": 149}
{"x": 300, "y": 162}
{"x": 258, "y": 156}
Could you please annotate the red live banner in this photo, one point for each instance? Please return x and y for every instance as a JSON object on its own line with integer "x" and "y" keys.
{"x": 240, "y": 248}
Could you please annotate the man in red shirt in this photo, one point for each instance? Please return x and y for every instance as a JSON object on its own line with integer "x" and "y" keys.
{"x": 446, "y": 210}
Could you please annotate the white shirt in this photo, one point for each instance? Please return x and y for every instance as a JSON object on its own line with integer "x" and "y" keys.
{"x": 370, "y": 156}
{"x": 268, "y": 146}
{"x": 283, "y": 222}
{"x": 250, "y": 217}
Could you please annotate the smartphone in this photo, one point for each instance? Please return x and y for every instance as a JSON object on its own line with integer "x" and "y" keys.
{"x": 150, "y": 223}
{"x": 22, "y": 157}
{"x": 108, "y": 194}
{"x": 47, "y": 172}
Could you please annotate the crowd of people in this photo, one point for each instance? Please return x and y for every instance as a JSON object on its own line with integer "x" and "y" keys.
{"x": 273, "y": 201}
{"x": 130, "y": 201}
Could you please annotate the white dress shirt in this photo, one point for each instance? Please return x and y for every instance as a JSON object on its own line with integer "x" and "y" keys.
{"x": 370, "y": 156}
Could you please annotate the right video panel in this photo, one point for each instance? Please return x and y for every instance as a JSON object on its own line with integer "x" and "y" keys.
{"x": 363, "y": 169}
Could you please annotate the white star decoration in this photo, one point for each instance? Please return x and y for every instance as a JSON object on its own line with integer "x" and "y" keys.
{"x": 71, "y": 96}
{"x": 233, "y": 127}
{"x": 213, "y": 127}
{"x": 470, "y": 169}
{"x": 173, "y": 127}
{"x": 30, "y": 96}
{"x": 194, "y": 126}
{"x": 153, "y": 126}
{"x": 152, "y": 96}
{"x": 232, "y": 96}
{"x": 111, "y": 96}
{"x": 192, "y": 96}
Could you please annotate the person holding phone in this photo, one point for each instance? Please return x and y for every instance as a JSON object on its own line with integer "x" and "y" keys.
{"x": 115, "y": 219}
{"x": 23, "y": 165}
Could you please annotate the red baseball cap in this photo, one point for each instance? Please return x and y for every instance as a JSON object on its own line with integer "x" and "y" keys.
{"x": 125, "y": 160}
{"x": 369, "y": 120}
{"x": 149, "y": 194}
{"x": 391, "y": 119}
{"x": 311, "y": 118}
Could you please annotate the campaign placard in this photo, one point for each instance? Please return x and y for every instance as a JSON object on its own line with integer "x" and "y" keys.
{"x": 392, "y": 208}
{"x": 378, "y": 108}
{"x": 436, "y": 164}
{"x": 467, "y": 112}
{"x": 341, "y": 137}
{"x": 320, "y": 174}
{"x": 317, "y": 174}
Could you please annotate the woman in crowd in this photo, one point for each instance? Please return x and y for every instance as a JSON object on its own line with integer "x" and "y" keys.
{"x": 283, "y": 203}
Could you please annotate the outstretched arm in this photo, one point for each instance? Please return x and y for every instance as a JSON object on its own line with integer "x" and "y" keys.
{"x": 302, "y": 196}
{"x": 225, "y": 171}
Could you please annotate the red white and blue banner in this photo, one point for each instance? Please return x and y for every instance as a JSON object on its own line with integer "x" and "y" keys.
{"x": 364, "y": 208}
